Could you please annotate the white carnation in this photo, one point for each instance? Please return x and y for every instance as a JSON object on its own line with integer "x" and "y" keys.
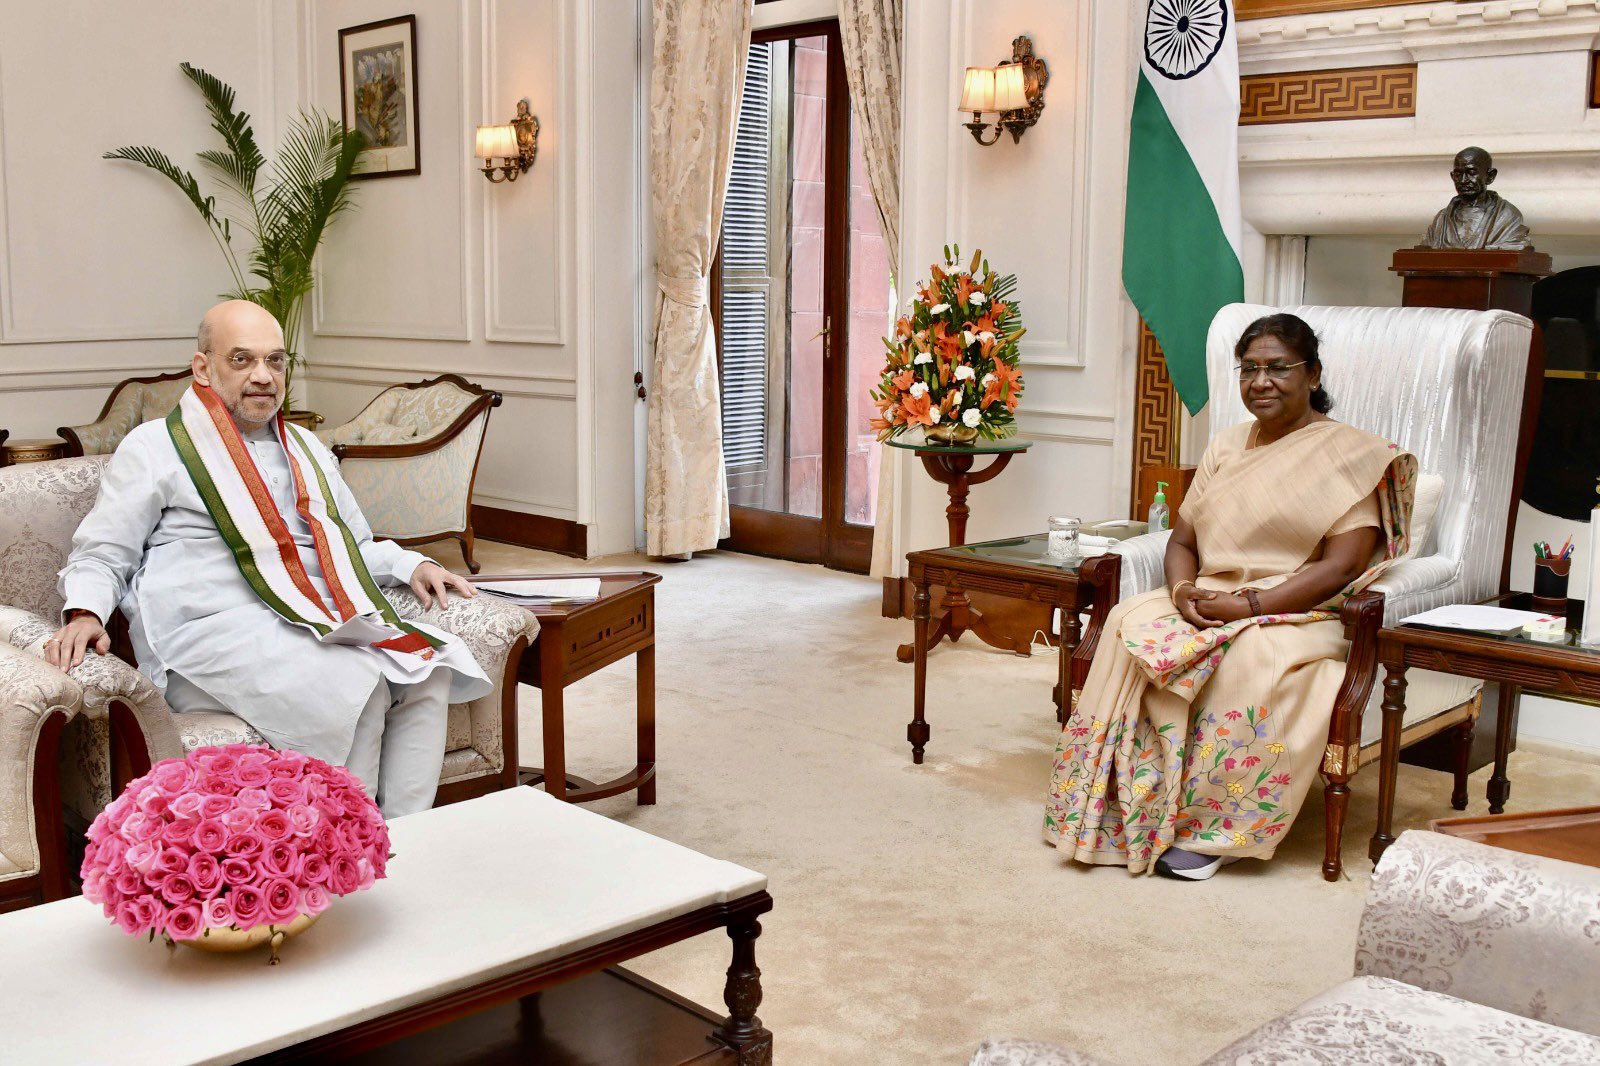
{"x": 922, "y": 357}
{"x": 986, "y": 337}
{"x": 919, "y": 389}
{"x": 971, "y": 417}
{"x": 986, "y": 379}
{"x": 935, "y": 414}
{"x": 963, "y": 373}
{"x": 967, "y": 338}
{"x": 938, "y": 309}
{"x": 977, "y": 298}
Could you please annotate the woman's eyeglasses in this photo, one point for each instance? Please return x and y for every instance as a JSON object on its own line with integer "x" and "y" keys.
{"x": 1274, "y": 371}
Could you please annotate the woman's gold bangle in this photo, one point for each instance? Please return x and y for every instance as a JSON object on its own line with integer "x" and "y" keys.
{"x": 1180, "y": 585}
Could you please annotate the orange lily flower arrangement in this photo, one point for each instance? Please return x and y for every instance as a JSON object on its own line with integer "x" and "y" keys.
{"x": 952, "y": 364}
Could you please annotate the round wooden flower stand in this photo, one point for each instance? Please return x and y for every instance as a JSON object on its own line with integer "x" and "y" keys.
{"x": 951, "y": 466}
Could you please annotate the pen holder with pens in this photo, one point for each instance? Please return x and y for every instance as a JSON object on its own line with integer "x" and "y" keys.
{"x": 1550, "y": 583}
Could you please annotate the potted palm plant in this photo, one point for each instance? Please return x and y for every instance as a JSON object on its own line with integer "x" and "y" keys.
{"x": 285, "y": 209}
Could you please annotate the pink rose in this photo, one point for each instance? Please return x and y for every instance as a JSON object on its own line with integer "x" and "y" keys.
{"x": 314, "y": 869}
{"x": 249, "y": 905}
{"x": 364, "y": 866}
{"x": 151, "y": 801}
{"x": 304, "y": 819}
{"x": 93, "y": 886}
{"x": 288, "y": 765}
{"x": 279, "y": 859}
{"x": 173, "y": 776}
{"x": 216, "y": 761}
{"x": 142, "y": 856}
{"x": 210, "y": 835}
{"x": 130, "y": 916}
{"x": 187, "y": 806}
{"x": 274, "y": 825}
{"x": 132, "y": 825}
{"x": 344, "y": 877}
{"x": 177, "y": 889}
{"x": 238, "y": 872}
{"x": 129, "y": 883}
{"x": 282, "y": 900}
{"x": 255, "y": 799}
{"x": 216, "y": 785}
{"x": 326, "y": 839}
{"x": 244, "y": 845}
{"x": 206, "y": 873}
{"x": 183, "y": 923}
{"x": 219, "y": 912}
{"x": 240, "y": 819}
{"x": 172, "y": 861}
{"x": 315, "y": 899}
{"x": 179, "y": 834}
{"x": 328, "y": 805}
{"x": 253, "y": 771}
{"x": 215, "y": 806}
{"x": 285, "y": 792}
{"x": 356, "y": 803}
{"x": 349, "y": 836}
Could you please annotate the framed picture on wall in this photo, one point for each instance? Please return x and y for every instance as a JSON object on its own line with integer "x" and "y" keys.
{"x": 378, "y": 84}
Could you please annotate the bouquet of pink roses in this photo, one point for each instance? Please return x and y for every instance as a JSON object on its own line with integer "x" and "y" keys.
{"x": 239, "y": 836}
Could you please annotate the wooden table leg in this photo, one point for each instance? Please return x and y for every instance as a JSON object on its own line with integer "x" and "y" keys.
{"x": 1071, "y": 633}
{"x": 1394, "y": 710}
{"x": 917, "y": 731}
{"x": 646, "y": 666}
{"x": 742, "y": 1031}
{"x": 1505, "y": 728}
{"x": 552, "y": 667}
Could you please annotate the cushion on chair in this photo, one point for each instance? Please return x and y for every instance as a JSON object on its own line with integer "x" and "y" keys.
{"x": 1377, "y": 1020}
{"x": 400, "y": 415}
{"x": 41, "y": 505}
{"x": 1430, "y": 490}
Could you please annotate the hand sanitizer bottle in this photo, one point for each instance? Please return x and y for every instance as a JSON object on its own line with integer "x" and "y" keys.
{"x": 1158, "y": 509}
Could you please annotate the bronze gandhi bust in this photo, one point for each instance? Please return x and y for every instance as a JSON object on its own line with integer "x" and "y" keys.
{"x": 1476, "y": 218}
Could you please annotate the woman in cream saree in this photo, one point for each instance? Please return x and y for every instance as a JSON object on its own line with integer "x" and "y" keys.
{"x": 1206, "y": 709}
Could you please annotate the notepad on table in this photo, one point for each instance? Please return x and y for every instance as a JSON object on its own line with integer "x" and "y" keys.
{"x": 545, "y": 589}
{"x": 1475, "y": 616}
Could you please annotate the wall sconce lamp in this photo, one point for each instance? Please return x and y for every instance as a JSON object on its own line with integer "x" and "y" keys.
{"x": 515, "y": 144}
{"x": 1014, "y": 91}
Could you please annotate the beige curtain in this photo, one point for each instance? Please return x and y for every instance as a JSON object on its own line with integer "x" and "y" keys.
{"x": 871, "y": 33}
{"x": 695, "y": 85}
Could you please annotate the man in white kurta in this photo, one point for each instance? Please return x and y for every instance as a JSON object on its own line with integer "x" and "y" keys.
{"x": 202, "y": 633}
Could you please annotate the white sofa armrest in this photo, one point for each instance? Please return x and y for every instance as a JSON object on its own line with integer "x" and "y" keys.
{"x": 1414, "y": 585}
{"x": 1143, "y": 562}
{"x": 31, "y": 692}
{"x": 1516, "y": 932}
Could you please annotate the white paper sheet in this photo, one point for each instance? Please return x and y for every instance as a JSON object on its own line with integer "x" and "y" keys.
{"x": 1483, "y": 618}
{"x": 545, "y": 588}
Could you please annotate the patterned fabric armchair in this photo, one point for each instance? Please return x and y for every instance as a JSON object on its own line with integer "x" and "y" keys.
{"x": 132, "y": 403}
{"x": 411, "y": 456}
{"x": 1445, "y": 385}
{"x": 1466, "y": 953}
{"x": 106, "y": 722}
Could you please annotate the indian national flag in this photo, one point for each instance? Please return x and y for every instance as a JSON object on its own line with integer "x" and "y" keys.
{"x": 1180, "y": 258}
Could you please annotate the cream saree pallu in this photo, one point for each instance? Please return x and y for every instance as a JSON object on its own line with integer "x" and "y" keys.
{"x": 1210, "y": 739}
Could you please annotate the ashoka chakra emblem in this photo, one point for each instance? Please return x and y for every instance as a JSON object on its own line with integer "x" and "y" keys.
{"x": 1182, "y": 37}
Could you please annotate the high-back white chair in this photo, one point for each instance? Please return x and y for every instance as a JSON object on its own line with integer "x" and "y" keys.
{"x": 1446, "y": 385}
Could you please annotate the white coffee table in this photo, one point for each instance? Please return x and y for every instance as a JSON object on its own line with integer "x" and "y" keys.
{"x": 486, "y": 901}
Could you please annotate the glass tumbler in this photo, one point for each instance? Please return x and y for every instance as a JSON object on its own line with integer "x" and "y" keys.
{"x": 1062, "y": 546}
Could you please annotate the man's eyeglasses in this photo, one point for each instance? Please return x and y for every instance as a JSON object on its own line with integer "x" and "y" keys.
{"x": 277, "y": 362}
{"x": 1274, "y": 371}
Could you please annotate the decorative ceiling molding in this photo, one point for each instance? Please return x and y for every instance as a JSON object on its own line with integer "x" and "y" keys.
{"x": 1325, "y": 95}
{"x": 1410, "y": 33}
{"x": 1260, "y": 9}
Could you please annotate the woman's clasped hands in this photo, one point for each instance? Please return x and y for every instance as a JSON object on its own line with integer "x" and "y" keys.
{"x": 1206, "y": 608}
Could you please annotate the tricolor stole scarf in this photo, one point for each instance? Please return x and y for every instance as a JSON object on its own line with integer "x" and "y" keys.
{"x": 226, "y": 477}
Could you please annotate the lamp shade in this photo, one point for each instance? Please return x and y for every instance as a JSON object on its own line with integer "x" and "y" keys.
{"x": 1010, "y": 88}
{"x": 977, "y": 94}
{"x": 496, "y": 142}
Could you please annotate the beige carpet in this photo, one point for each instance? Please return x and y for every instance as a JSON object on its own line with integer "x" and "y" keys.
{"x": 917, "y": 910}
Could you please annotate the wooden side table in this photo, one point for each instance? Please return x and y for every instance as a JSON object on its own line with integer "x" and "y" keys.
{"x": 1015, "y": 568}
{"x": 1565, "y": 671}
{"x": 36, "y": 450}
{"x": 951, "y": 466}
{"x": 574, "y": 641}
{"x": 1571, "y": 835}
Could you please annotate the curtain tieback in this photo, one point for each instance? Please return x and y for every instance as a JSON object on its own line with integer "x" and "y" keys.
{"x": 691, "y": 292}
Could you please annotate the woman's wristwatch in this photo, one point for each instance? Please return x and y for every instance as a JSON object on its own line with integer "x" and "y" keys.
{"x": 1255, "y": 604}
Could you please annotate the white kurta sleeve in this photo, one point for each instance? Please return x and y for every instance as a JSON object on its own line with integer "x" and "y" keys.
{"x": 109, "y": 545}
{"x": 387, "y": 562}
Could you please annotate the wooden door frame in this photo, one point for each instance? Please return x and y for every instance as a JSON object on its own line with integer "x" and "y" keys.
{"x": 828, "y": 539}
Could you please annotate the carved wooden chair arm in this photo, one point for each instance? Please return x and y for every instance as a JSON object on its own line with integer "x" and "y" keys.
{"x": 1362, "y": 615}
{"x": 1104, "y": 572}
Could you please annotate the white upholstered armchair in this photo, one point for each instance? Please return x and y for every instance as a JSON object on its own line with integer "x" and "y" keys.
{"x": 108, "y": 720}
{"x": 410, "y": 458}
{"x": 1446, "y": 385}
{"x": 132, "y": 403}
